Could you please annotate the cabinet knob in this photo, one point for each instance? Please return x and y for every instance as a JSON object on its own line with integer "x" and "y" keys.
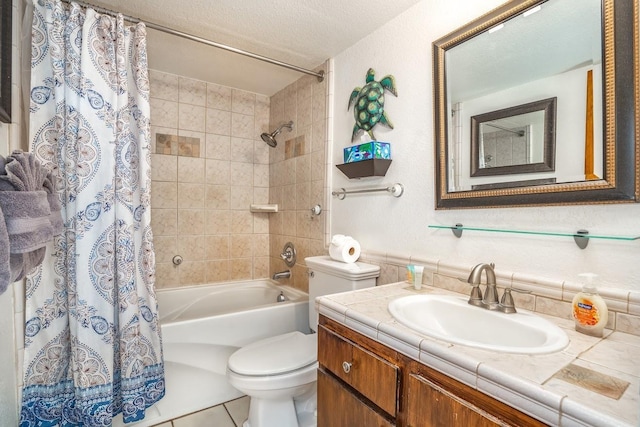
{"x": 346, "y": 367}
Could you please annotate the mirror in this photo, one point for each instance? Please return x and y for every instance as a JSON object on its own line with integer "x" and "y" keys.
{"x": 514, "y": 140}
{"x": 577, "y": 58}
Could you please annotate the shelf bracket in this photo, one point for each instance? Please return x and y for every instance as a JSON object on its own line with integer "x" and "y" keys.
{"x": 581, "y": 238}
{"x": 457, "y": 230}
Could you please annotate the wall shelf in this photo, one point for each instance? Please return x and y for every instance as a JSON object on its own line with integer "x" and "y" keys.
{"x": 581, "y": 237}
{"x": 364, "y": 168}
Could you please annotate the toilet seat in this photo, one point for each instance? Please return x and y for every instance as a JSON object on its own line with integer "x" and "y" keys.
{"x": 277, "y": 355}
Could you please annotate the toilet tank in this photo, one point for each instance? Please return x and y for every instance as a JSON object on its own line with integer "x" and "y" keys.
{"x": 328, "y": 276}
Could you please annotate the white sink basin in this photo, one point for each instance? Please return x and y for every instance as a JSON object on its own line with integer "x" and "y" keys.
{"x": 452, "y": 319}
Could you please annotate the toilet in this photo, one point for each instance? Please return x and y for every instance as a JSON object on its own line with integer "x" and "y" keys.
{"x": 279, "y": 373}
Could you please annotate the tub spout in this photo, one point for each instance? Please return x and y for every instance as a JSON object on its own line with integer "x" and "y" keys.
{"x": 282, "y": 275}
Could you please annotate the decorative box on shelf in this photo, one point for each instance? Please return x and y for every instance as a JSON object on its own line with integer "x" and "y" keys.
{"x": 364, "y": 168}
{"x": 367, "y": 151}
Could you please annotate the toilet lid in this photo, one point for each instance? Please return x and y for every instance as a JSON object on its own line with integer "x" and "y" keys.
{"x": 275, "y": 355}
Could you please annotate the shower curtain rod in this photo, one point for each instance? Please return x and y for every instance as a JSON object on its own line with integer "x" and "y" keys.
{"x": 319, "y": 75}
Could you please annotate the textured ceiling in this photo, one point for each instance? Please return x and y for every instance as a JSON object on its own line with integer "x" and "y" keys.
{"x": 301, "y": 32}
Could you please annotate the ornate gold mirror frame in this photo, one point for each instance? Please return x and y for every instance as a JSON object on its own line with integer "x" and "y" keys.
{"x": 621, "y": 152}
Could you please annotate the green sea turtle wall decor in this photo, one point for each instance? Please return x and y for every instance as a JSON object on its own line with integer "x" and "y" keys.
{"x": 368, "y": 103}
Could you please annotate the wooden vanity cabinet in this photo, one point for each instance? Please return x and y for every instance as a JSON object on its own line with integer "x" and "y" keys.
{"x": 380, "y": 387}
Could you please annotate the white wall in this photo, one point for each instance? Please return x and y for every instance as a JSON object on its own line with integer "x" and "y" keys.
{"x": 398, "y": 226}
{"x": 12, "y": 301}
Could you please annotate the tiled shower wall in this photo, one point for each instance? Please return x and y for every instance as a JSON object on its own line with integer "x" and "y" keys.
{"x": 298, "y": 168}
{"x": 209, "y": 165}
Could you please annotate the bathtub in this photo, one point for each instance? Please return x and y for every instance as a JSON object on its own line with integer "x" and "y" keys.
{"x": 203, "y": 325}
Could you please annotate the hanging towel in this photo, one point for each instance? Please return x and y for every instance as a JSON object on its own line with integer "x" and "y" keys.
{"x": 30, "y": 212}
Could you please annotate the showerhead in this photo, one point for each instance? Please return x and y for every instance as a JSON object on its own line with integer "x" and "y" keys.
{"x": 270, "y": 138}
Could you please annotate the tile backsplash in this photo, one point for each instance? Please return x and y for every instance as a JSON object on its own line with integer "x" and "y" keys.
{"x": 546, "y": 295}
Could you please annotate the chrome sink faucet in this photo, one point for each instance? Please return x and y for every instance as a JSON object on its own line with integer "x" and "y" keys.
{"x": 490, "y": 298}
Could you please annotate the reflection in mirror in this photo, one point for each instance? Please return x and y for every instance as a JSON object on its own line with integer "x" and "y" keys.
{"x": 514, "y": 140}
{"x": 573, "y": 51}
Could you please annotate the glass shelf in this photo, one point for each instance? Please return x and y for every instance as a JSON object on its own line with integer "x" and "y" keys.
{"x": 581, "y": 236}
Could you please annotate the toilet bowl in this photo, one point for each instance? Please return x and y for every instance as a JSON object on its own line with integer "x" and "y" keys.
{"x": 279, "y": 373}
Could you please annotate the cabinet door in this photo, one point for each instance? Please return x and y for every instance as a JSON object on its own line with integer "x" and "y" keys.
{"x": 338, "y": 407}
{"x": 373, "y": 377}
{"x": 429, "y": 405}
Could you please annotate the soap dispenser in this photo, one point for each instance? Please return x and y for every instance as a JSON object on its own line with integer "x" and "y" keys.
{"x": 590, "y": 312}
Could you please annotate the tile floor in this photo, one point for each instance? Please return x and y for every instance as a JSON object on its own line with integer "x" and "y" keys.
{"x": 229, "y": 414}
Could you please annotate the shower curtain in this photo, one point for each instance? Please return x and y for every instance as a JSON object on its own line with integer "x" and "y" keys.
{"x": 92, "y": 338}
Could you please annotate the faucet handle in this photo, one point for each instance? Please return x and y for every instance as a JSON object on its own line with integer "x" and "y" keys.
{"x": 506, "y": 302}
{"x": 476, "y": 295}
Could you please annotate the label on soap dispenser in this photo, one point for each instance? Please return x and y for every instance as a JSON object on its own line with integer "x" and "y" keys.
{"x": 586, "y": 313}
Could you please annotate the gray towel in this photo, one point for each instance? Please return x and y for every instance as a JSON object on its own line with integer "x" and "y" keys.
{"x": 30, "y": 213}
{"x": 24, "y": 171}
{"x": 26, "y": 215}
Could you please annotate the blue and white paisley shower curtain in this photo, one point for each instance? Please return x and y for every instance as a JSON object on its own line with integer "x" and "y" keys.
{"x": 92, "y": 338}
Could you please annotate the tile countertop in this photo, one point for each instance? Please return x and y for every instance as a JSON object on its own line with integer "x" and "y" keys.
{"x": 528, "y": 383}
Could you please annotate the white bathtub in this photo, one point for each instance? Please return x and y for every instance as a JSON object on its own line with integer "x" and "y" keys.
{"x": 203, "y": 325}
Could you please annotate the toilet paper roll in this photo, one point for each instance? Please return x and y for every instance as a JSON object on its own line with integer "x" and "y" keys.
{"x": 344, "y": 249}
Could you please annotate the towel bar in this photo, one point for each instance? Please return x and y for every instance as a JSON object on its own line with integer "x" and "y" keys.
{"x": 396, "y": 190}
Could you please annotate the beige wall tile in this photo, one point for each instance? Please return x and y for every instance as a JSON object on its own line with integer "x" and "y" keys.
{"x": 260, "y": 195}
{"x": 217, "y": 196}
{"x": 241, "y": 268}
{"x": 163, "y": 85}
{"x": 164, "y": 113}
{"x": 164, "y": 195}
{"x": 241, "y": 246}
{"x": 217, "y": 172}
{"x": 218, "y": 97}
{"x": 166, "y": 275}
{"x": 218, "y": 122}
{"x": 243, "y": 102}
{"x": 191, "y": 195}
{"x": 241, "y": 174}
{"x": 628, "y": 323}
{"x": 303, "y": 194}
{"x": 241, "y": 197}
{"x": 217, "y": 247}
{"x": 192, "y": 248}
{"x": 218, "y": 146}
{"x": 165, "y": 247}
{"x": 261, "y": 175}
{"x": 191, "y": 272}
{"x": 192, "y": 92}
{"x": 260, "y": 245}
{"x": 242, "y": 126}
{"x": 261, "y": 223}
{"x": 191, "y": 169}
{"x": 217, "y": 221}
{"x": 190, "y": 221}
{"x": 164, "y": 168}
{"x": 242, "y": 150}
{"x": 191, "y": 117}
{"x": 261, "y": 267}
{"x": 217, "y": 271}
{"x": 261, "y": 152}
{"x": 242, "y": 222}
{"x": 304, "y": 112}
{"x": 164, "y": 222}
